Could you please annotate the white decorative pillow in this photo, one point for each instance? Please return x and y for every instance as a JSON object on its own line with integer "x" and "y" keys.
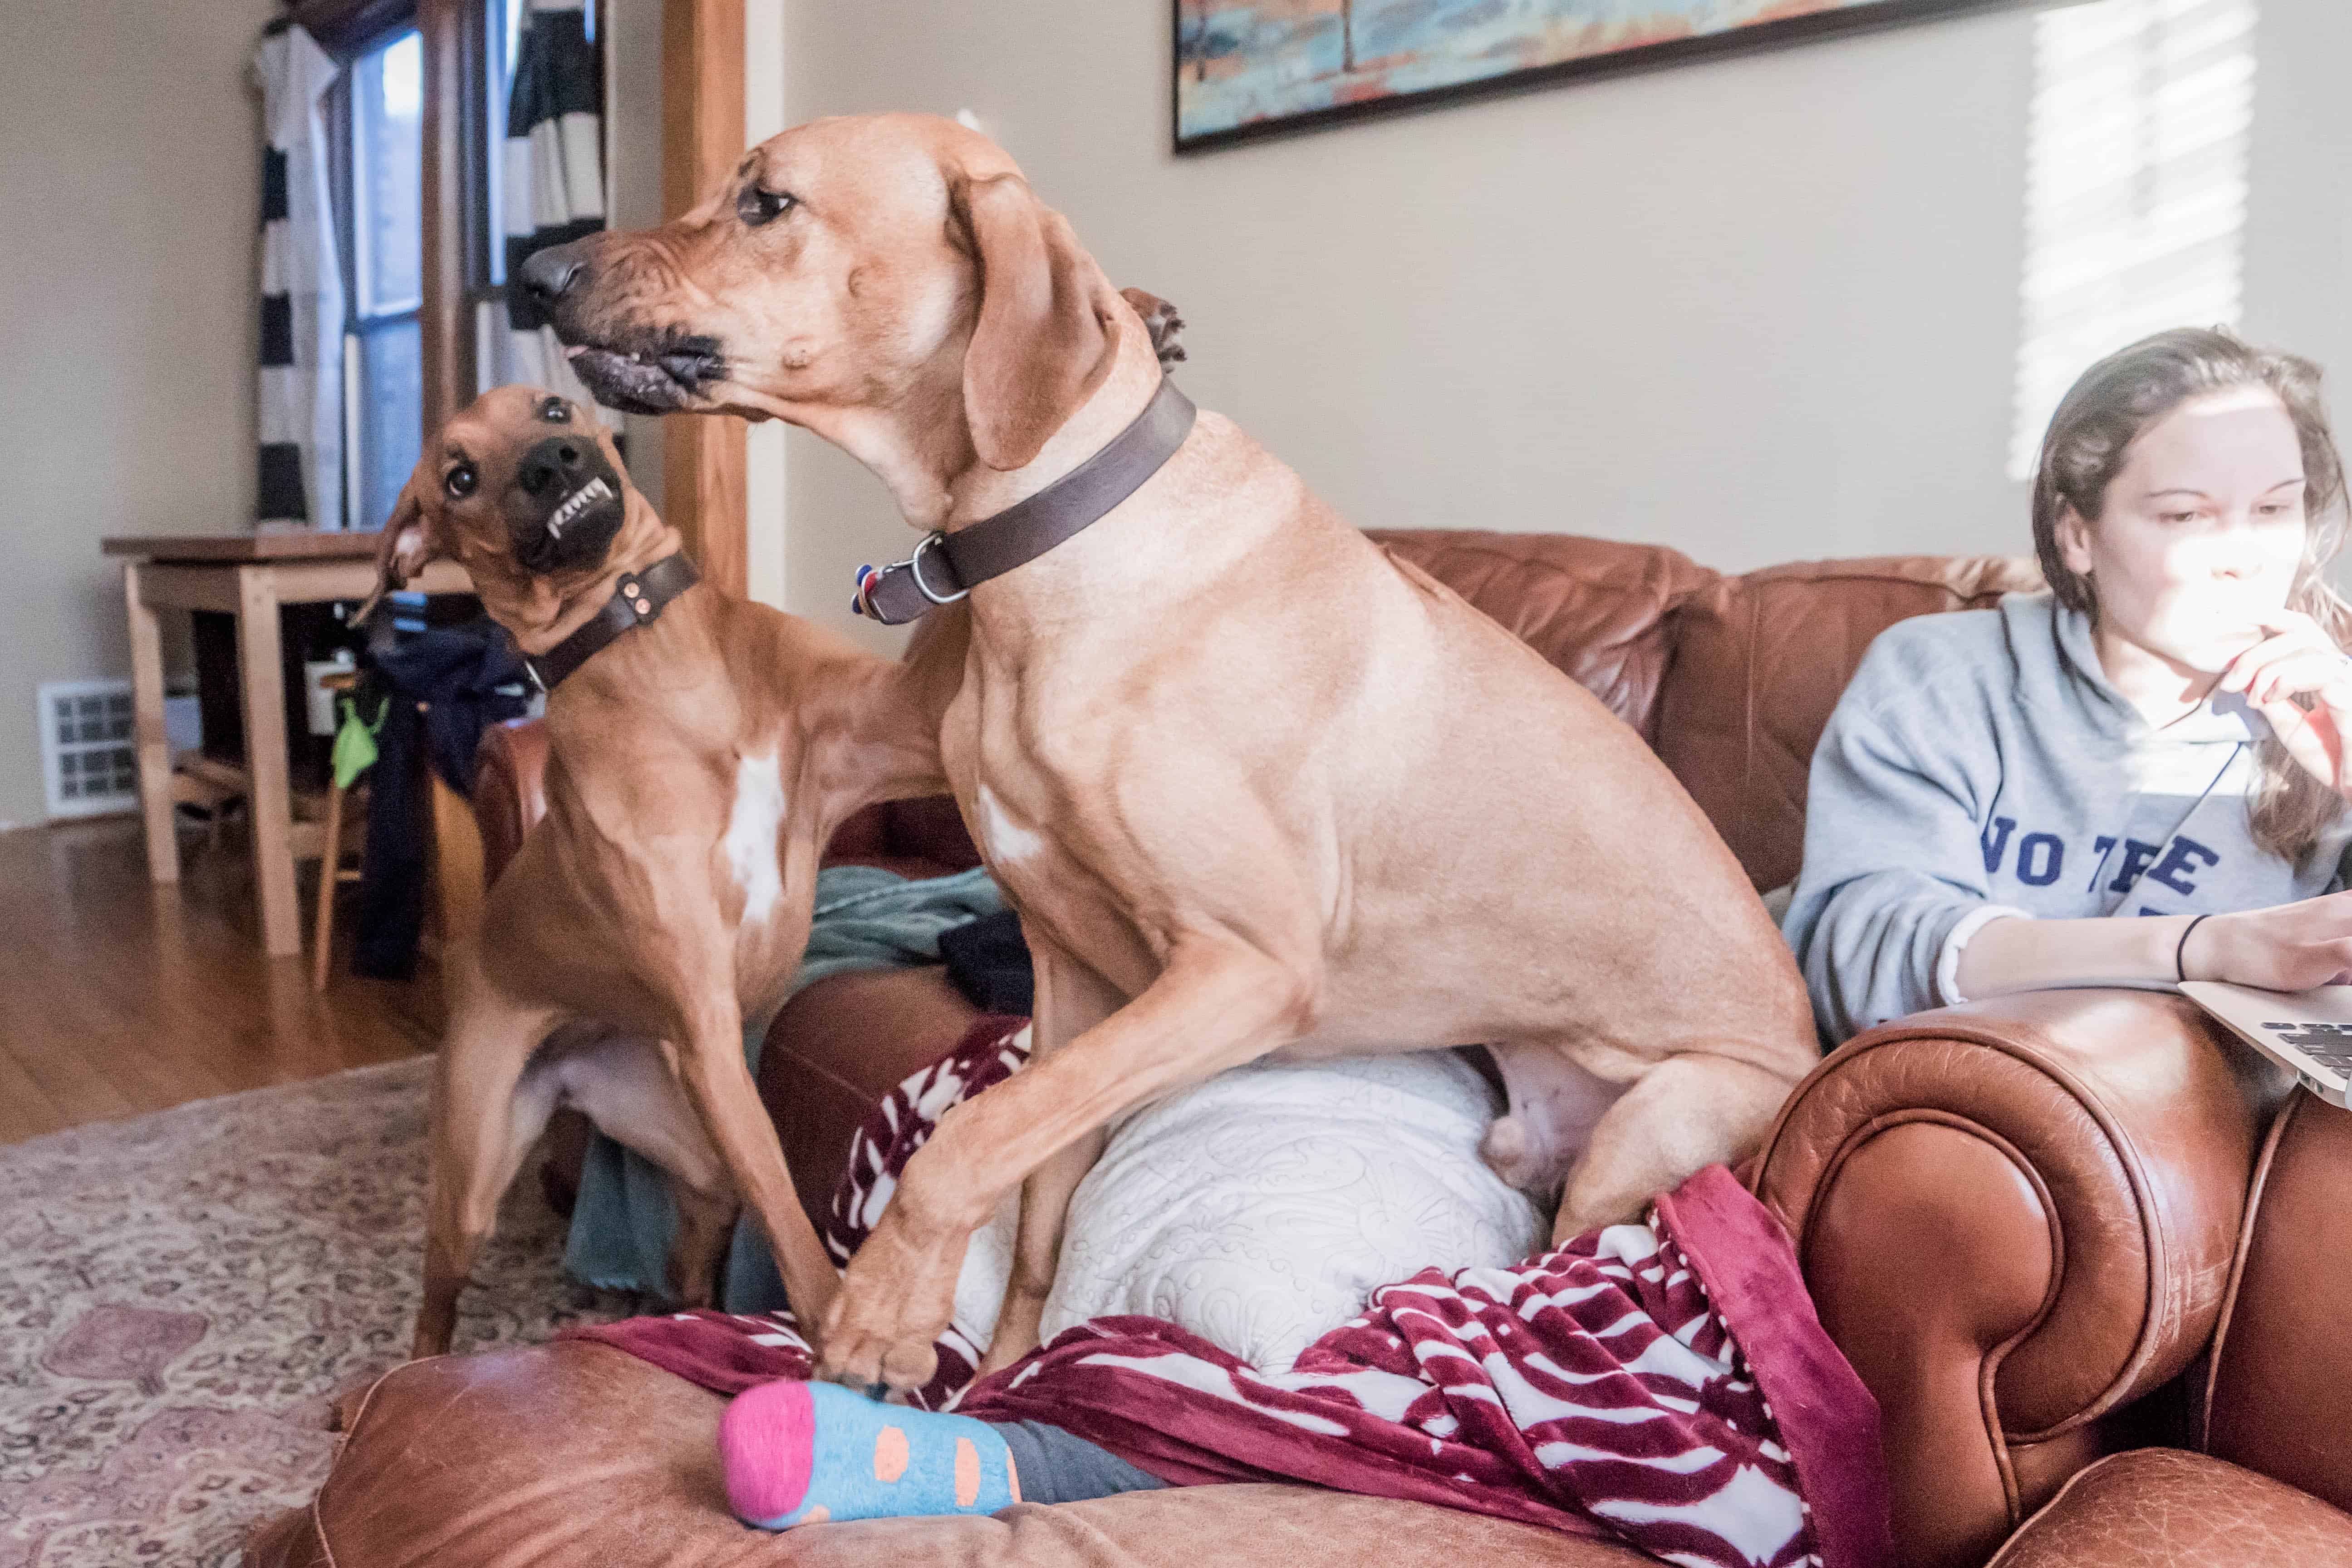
{"x": 1259, "y": 1210}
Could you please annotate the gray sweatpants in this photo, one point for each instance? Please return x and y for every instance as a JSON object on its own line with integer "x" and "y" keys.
{"x": 1055, "y": 1467}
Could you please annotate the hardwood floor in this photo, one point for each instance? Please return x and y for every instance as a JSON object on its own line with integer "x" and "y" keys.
{"x": 119, "y": 997}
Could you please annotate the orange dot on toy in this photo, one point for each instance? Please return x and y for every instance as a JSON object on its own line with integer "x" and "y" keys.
{"x": 967, "y": 1473}
{"x": 889, "y": 1454}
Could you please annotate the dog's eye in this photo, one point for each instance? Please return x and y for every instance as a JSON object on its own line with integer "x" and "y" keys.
{"x": 459, "y": 481}
{"x": 756, "y": 207}
{"x": 555, "y": 411}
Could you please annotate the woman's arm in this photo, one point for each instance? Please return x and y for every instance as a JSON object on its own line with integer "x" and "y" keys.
{"x": 1894, "y": 864}
{"x": 2289, "y": 947}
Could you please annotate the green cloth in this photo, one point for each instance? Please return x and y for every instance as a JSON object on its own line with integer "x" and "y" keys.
{"x": 355, "y": 741}
{"x": 865, "y": 918}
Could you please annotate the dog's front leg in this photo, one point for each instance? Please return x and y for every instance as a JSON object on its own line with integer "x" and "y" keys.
{"x": 710, "y": 1064}
{"x": 1037, "y": 1250}
{"x": 1071, "y": 999}
{"x": 1220, "y": 1002}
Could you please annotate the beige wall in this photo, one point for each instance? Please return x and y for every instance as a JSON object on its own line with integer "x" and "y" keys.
{"x": 1758, "y": 309}
{"x": 130, "y": 191}
{"x": 2299, "y": 210}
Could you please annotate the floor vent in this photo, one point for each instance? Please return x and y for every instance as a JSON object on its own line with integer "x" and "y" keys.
{"x": 89, "y": 747}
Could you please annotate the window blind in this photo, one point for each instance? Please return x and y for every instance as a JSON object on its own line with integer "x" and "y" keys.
{"x": 2136, "y": 186}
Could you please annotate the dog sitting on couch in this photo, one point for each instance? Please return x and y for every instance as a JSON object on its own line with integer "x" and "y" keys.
{"x": 1253, "y": 786}
{"x": 701, "y": 751}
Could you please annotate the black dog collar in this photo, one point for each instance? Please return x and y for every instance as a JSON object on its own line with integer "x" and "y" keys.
{"x": 946, "y": 566}
{"x": 640, "y": 598}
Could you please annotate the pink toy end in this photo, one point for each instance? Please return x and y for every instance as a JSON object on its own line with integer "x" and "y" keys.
{"x": 765, "y": 1443}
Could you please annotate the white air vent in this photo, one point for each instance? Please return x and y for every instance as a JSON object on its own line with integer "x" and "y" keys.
{"x": 89, "y": 750}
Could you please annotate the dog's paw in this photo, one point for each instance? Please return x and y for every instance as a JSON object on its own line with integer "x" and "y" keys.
{"x": 1160, "y": 320}
{"x": 896, "y": 1299}
{"x": 878, "y": 1368}
{"x": 1573, "y": 1219}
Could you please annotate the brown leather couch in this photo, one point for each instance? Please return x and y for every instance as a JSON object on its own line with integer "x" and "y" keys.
{"x": 2089, "y": 1255}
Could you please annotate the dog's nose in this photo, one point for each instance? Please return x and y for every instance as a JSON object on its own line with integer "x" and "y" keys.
{"x": 549, "y": 273}
{"x": 549, "y": 469}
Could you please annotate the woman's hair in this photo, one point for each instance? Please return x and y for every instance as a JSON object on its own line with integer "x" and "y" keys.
{"x": 2099, "y": 418}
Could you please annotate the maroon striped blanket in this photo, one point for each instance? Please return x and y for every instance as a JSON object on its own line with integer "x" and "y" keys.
{"x": 1665, "y": 1385}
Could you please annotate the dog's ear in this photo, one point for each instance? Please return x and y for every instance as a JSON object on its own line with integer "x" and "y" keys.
{"x": 408, "y": 543}
{"x": 1043, "y": 342}
{"x": 1160, "y": 320}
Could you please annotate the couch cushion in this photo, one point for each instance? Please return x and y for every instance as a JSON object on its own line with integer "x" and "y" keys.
{"x": 1760, "y": 660}
{"x": 836, "y": 1049}
{"x": 1597, "y": 609}
{"x": 931, "y": 829}
{"x": 2164, "y": 1507}
{"x": 916, "y": 838}
{"x": 2281, "y": 1399}
{"x": 578, "y": 1452}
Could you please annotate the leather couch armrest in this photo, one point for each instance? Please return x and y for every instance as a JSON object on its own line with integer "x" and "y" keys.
{"x": 509, "y": 788}
{"x": 2016, "y": 1217}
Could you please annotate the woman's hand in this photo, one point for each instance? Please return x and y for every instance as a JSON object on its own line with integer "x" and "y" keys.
{"x": 2293, "y": 659}
{"x": 2288, "y": 947}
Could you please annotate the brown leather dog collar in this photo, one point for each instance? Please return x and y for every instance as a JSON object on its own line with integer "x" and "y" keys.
{"x": 641, "y": 597}
{"x": 946, "y": 566}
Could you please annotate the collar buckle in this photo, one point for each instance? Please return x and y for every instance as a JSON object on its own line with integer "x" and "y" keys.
{"x": 914, "y": 564}
{"x": 882, "y": 593}
{"x": 898, "y": 593}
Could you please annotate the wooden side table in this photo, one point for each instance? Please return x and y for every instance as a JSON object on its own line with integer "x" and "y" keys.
{"x": 248, "y": 575}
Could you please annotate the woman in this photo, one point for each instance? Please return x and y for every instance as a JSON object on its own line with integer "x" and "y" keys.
{"x": 2136, "y": 777}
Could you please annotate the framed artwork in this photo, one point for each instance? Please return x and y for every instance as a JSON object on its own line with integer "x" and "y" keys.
{"x": 1246, "y": 69}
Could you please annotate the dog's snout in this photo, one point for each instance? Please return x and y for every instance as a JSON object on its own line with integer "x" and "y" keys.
{"x": 550, "y": 468}
{"x": 549, "y": 274}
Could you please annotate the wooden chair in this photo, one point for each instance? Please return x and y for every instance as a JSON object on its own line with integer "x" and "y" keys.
{"x": 455, "y": 880}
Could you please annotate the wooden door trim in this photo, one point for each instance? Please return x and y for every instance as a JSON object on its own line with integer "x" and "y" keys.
{"x": 704, "y": 457}
{"x": 453, "y": 36}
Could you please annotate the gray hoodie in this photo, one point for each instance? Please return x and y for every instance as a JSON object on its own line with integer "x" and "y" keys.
{"x": 1981, "y": 765}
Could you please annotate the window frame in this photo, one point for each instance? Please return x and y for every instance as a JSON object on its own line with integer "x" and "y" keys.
{"x": 350, "y": 30}
{"x": 488, "y": 99}
{"x": 360, "y": 326}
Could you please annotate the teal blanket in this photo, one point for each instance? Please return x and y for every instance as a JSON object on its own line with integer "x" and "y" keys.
{"x": 865, "y": 918}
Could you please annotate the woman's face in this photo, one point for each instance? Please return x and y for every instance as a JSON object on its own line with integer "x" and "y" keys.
{"x": 2201, "y": 531}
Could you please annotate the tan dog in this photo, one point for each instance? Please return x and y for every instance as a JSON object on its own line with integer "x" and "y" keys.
{"x": 697, "y": 766}
{"x": 1254, "y": 785}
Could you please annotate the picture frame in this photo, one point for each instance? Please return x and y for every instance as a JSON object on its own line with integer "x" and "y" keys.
{"x": 1246, "y": 69}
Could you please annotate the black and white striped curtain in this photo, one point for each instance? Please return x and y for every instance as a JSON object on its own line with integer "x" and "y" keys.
{"x": 300, "y": 400}
{"x": 552, "y": 187}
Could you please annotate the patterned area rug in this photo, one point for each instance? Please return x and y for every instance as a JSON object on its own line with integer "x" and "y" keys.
{"x": 183, "y": 1296}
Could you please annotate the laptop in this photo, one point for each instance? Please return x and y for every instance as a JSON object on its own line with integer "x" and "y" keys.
{"x": 2307, "y": 1032}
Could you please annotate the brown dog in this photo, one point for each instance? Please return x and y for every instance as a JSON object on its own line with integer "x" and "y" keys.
{"x": 1254, "y": 785}
{"x": 697, "y": 766}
